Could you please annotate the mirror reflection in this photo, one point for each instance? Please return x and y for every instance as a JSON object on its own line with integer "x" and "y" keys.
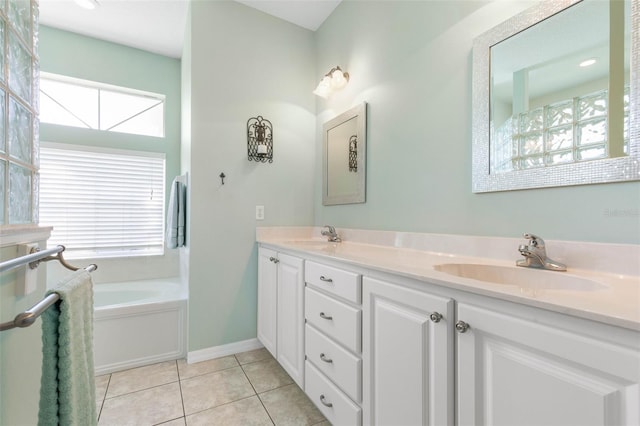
{"x": 559, "y": 91}
{"x": 342, "y": 172}
{"x": 344, "y": 145}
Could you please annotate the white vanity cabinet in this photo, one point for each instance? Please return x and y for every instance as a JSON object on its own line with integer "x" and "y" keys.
{"x": 281, "y": 309}
{"x": 407, "y": 356}
{"x": 384, "y": 347}
{"x": 333, "y": 342}
{"x": 517, "y": 371}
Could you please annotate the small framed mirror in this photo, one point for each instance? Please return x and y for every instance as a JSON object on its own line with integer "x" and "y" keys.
{"x": 344, "y": 157}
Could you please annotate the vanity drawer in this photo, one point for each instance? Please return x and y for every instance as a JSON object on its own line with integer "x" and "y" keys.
{"x": 342, "y": 283}
{"x": 337, "y": 320}
{"x": 338, "y": 364}
{"x": 335, "y": 405}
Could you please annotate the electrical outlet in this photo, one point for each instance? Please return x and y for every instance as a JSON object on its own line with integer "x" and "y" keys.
{"x": 259, "y": 212}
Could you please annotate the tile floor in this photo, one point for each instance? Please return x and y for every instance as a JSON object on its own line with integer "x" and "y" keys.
{"x": 248, "y": 388}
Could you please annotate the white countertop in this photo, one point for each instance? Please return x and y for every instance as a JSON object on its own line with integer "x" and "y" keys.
{"x": 614, "y": 299}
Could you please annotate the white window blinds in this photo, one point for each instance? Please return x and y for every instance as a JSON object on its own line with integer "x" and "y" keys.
{"x": 102, "y": 203}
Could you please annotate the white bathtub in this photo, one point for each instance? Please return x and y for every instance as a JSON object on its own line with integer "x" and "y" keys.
{"x": 138, "y": 323}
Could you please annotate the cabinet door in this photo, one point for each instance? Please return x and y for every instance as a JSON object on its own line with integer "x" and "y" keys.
{"x": 513, "y": 371}
{"x": 267, "y": 299}
{"x": 407, "y": 356}
{"x": 291, "y": 316}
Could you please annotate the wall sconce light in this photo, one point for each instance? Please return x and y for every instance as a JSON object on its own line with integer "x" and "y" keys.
{"x": 334, "y": 80}
{"x": 259, "y": 140}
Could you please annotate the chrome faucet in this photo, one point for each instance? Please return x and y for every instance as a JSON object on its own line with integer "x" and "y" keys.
{"x": 535, "y": 255}
{"x": 331, "y": 234}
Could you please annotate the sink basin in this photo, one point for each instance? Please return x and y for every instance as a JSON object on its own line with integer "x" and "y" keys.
{"x": 525, "y": 278}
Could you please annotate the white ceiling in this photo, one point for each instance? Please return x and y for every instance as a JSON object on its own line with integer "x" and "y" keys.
{"x": 158, "y": 25}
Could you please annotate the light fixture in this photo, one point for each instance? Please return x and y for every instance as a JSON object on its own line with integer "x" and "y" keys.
{"x": 588, "y": 62}
{"x": 335, "y": 79}
{"x": 88, "y": 4}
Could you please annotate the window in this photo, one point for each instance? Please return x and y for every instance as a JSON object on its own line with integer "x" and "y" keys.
{"x": 79, "y": 103}
{"x": 102, "y": 203}
{"x": 18, "y": 113}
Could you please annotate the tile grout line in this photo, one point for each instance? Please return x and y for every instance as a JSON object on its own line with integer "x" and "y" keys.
{"x": 210, "y": 372}
{"x": 104, "y": 397}
{"x": 221, "y": 405}
{"x": 141, "y": 390}
{"x": 256, "y": 393}
{"x": 184, "y": 413}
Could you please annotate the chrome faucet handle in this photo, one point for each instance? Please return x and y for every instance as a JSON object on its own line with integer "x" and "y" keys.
{"x": 329, "y": 232}
{"x": 535, "y": 255}
{"x": 535, "y": 240}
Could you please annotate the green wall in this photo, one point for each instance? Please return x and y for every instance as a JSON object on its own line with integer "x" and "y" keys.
{"x": 66, "y": 53}
{"x": 411, "y": 62}
{"x": 243, "y": 63}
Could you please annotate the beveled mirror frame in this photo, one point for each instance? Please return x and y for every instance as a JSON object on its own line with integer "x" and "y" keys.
{"x": 360, "y": 113}
{"x": 580, "y": 173}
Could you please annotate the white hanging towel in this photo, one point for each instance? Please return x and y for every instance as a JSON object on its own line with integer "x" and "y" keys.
{"x": 176, "y": 214}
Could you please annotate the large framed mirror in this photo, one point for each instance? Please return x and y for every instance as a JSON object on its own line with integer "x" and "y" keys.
{"x": 344, "y": 157}
{"x": 555, "y": 97}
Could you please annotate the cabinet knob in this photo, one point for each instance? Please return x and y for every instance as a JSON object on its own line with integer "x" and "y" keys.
{"x": 323, "y": 316}
{"x": 324, "y": 402}
{"x": 326, "y": 280}
{"x": 274, "y": 260}
{"x": 435, "y": 317}
{"x": 461, "y": 326}
{"x": 325, "y": 359}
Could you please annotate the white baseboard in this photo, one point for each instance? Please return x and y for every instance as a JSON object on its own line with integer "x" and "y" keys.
{"x": 223, "y": 350}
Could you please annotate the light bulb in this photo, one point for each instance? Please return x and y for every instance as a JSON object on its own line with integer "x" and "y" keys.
{"x": 324, "y": 88}
{"x": 338, "y": 80}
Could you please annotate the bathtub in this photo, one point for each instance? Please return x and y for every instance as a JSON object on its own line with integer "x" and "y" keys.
{"x": 138, "y": 323}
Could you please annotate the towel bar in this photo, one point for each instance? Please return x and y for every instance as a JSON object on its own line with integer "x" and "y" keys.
{"x": 37, "y": 256}
{"x": 28, "y": 317}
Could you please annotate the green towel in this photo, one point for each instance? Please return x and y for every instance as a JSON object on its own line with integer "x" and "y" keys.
{"x": 67, "y": 390}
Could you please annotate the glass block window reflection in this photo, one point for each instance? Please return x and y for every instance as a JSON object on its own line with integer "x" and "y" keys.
{"x": 564, "y": 132}
{"x": 18, "y": 112}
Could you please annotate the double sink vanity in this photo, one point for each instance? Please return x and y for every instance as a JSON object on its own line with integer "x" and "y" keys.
{"x": 393, "y": 328}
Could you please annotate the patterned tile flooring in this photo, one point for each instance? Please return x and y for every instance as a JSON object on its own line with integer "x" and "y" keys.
{"x": 248, "y": 388}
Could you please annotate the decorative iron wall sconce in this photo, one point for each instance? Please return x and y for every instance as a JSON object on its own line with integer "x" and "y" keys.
{"x": 259, "y": 140}
{"x": 353, "y": 153}
{"x": 334, "y": 80}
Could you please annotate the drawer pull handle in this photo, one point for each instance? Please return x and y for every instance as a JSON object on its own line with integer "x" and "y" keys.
{"x": 325, "y": 403}
{"x": 436, "y": 316}
{"x": 323, "y": 316}
{"x": 325, "y": 359}
{"x": 326, "y": 280}
{"x": 462, "y": 326}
